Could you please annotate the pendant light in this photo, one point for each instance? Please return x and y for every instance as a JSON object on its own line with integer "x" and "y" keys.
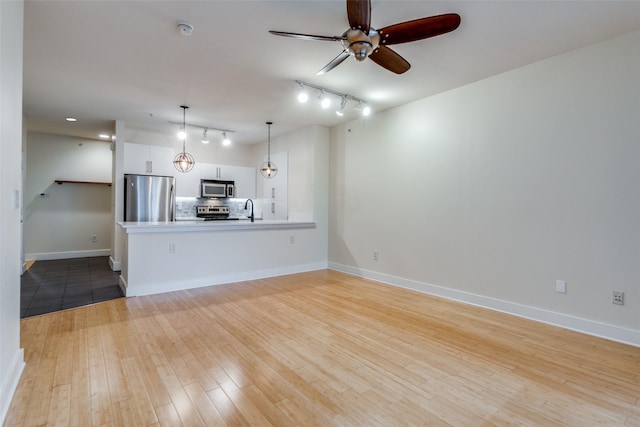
{"x": 184, "y": 162}
{"x": 269, "y": 169}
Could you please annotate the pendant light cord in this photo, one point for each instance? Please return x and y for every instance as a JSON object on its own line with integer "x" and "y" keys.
{"x": 269, "y": 142}
{"x": 184, "y": 127}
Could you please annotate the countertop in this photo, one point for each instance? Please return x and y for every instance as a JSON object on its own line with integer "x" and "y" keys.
{"x": 198, "y": 225}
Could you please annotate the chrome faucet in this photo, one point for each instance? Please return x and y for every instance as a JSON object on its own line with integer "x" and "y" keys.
{"x": 245, "y": 207}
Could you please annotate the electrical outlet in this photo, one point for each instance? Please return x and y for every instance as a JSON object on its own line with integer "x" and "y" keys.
{"x": 94, "y": 238}
{"x": 561, "y": 286}
{"x": 292, "y": 239}
{"x": 172, "y": 248}
{"x": 618, "y": 297}
{"x": 375, "y": 255}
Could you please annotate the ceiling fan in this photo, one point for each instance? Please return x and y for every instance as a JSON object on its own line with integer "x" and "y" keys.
{"x": 363, "y": 41}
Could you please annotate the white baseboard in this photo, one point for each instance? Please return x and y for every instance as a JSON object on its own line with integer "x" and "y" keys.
{"x": 139, "y": 290}
{"x": 123, "y": 285}
{"x": 10, "y": 383}
{"x": 66, "y": 255}
{"x": 586, "y": 326}
{"x": 115, "y": 265}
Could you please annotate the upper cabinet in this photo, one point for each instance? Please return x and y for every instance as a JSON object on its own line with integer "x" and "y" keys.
{"x": 245, "y": 179}
{"x": 243, "y": 176}
{"x": 144, "y": 159}
{"x": 148, "y": 160}
{"x": 188, "y": 183}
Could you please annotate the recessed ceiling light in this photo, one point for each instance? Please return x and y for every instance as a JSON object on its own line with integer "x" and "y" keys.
{"x": 71, "y": 119}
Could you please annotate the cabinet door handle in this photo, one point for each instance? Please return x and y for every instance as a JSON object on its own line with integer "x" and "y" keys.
{"x": 273, "y": 192}
{"x": 273, "y": 207}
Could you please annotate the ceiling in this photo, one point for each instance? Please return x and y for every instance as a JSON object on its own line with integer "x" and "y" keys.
{"x": 101, "y": 61}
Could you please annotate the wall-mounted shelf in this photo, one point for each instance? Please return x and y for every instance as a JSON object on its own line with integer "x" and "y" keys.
{"x": 65, "y": 181}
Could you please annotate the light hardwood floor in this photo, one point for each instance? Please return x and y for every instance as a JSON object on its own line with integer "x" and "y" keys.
{"x": 320, "y": 348}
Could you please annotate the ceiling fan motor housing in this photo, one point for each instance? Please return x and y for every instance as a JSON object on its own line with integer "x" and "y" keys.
{"x": 362, "y": 41}
{"x": 359, "y": 44}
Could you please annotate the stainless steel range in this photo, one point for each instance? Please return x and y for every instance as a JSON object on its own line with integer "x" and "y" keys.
{"x": 212, "y": 213}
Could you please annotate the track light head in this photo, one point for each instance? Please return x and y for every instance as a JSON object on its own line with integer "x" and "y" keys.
{"x": 303, "y": 96}
{"x": 364, "y": 109}
{"x": 340, "y": 110}
{"x": 225, "y": 139}
{"x": 325, "y": 101}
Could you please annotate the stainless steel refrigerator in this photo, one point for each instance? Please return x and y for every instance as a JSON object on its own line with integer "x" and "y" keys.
{"x": 149, "y": 198}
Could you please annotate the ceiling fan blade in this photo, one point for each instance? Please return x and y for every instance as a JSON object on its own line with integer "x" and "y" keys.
{"x": 359, "y": 14}
{"x": 334, "y": 62}
{"x": 419, "y": 29}
{"x": 389, "y": 59}
{"x": 307, "y": 36}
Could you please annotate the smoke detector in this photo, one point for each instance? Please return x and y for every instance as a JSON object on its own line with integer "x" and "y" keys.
{"x": 185, "y": 29}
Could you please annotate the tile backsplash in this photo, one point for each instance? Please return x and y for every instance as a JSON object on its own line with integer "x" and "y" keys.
{"x": 186, "y": 206}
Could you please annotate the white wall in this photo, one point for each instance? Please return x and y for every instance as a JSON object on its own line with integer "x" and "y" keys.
{"x": 11, "y": 355}
{"x": 63, "y": 223}
{"x": 491, "y": 192}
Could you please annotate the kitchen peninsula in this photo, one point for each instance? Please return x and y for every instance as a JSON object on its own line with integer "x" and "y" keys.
{"x": 170, "y": 256}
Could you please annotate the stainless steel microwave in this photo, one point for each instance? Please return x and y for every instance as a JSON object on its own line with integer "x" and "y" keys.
{"x": 216, "y": 188}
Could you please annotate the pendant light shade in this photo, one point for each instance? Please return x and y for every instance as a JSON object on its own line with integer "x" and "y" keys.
{"x": 184, "y": 162}
{"x": 268, "y": 168}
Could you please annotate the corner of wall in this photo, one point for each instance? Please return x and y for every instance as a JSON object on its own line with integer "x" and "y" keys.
{"x": 10, "y": 383}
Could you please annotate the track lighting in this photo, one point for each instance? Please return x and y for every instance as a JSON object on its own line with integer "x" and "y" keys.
{"x": 205, "y": 140}
{"x": 225, "y": 139}
{"x": 303, "y": 96}
{"x": 340, "y": 110}
{"x": 364, "y": 109}
{"x": 325, "y": 100}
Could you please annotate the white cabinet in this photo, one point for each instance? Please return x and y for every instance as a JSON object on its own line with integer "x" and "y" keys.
{"x": 188, "y": 183}
{"x": 275, "y": 190}
{"x": 244, "y": 177}
{"x": 209, "y": 171}
{"x": 144, "y": 159}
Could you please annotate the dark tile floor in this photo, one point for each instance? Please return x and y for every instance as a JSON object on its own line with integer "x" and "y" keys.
{"x": 66, "y": 283}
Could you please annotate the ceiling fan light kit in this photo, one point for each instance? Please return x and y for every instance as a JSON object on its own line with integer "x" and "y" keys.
{"x": 362, "y": 41}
